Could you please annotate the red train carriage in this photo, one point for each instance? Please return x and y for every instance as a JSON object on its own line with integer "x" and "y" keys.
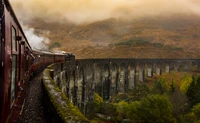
{"x": 44, "y": 58}
{"x": 59, "y": 57}
{"x": 41, "y": 60}
{"x": 15, "y": 60}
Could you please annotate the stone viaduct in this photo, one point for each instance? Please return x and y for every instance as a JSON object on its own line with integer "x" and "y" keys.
{"x": 80, "y": 79}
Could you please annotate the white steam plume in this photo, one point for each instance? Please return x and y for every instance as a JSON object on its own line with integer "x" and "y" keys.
{"x": 36, "y": 41}
{"x": 80, "y": 11}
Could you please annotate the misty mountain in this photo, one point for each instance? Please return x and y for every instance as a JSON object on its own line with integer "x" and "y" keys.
{"x": 168, "y": 33}
{"x": 177, "y": 30}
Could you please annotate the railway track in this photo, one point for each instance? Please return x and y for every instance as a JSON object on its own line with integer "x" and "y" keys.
{"x": 33, "y": 110}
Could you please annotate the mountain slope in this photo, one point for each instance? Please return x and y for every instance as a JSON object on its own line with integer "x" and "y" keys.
{"x": 181, "y": 31}
{"x": 174, "y": 36}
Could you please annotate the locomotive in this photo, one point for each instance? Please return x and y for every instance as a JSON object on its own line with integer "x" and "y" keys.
{"x": 18, "y": 61}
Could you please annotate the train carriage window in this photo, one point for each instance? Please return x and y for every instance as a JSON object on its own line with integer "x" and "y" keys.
{"x": 13, "y": 79}
{"x": 14, "y": 65}
{"x": 14, "y": 43}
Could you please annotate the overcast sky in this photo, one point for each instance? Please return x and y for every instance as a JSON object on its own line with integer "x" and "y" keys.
{"x": 79, "y": 11}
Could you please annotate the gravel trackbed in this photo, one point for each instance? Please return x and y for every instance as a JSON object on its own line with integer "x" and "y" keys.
{"x": 33, "y": 111}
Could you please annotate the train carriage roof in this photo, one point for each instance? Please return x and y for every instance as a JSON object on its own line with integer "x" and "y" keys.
{"x": 39, "y": 52}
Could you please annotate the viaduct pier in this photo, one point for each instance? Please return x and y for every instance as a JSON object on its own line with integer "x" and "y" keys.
{"x": 79, "y": 79}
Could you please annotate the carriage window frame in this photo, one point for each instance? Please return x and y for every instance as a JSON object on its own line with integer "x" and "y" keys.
{"x": 13, "y": 38}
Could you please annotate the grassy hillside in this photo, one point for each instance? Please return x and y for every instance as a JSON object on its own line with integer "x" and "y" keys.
{"x": 172, "y": 36}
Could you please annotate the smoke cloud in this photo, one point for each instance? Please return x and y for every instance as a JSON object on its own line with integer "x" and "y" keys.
{"x": 81, "y": 11}
{"x": 36, "y": 41}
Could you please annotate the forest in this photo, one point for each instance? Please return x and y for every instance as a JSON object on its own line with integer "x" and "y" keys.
{"x": 163, "y": 102}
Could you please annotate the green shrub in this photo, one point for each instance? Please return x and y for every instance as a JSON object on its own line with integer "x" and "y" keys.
{"x": 133, "y": 42}
{"x": 132, "y": 112}
{"x": 196, "y": 110}
{"x": 95, "y": 104}
{"x": 175, "y": 48}
{"x": 172, "y": 86}
{"x": 158, "y": 45}
{"x": 108, "y": 109}
{"x": 155, "y": 108}
{"x": 55, "y": 45}
{"x": 193, "y": 116}
{"x": 122, "y": 109}
{"x": 186, "y": 81}
{"x": 193, "y": 92}
{"x": 160, "y": 87}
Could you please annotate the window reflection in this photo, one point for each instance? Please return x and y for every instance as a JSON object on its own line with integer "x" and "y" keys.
{"x": 13, "y": 79}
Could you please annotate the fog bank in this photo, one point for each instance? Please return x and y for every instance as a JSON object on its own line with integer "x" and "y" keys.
{"x": 81, "y": 11}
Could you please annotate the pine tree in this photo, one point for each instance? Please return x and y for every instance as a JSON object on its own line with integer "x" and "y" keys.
{"x": 172, "y": 86}
{"x": 193, "y": 92}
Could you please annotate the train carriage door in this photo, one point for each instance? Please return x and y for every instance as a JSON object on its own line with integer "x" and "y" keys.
{"x": 26, "y": 52}
{"x": 20, "y": 59}
{"x": 14, "y": 65}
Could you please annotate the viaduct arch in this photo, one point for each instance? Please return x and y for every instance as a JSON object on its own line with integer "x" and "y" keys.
{"x": 79, "y": 80}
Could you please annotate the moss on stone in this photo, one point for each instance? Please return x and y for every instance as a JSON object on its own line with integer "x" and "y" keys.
{"x": 64, "y": 108}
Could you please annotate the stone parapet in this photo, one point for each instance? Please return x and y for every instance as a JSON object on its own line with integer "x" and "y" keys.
{"x": 59, "y": 107}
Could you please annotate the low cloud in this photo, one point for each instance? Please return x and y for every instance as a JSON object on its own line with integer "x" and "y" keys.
{"x": 81, "y": 11}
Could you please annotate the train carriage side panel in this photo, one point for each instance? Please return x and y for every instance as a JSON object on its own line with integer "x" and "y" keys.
{"x": 7, "y": 67}
{"x": 10, "y": 99}
{"x": 21, "y": 85}
{"x": 12, "y": 66}
{"x": 2, "y": 50}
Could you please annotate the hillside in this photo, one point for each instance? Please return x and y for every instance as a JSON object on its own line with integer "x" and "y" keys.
{"x": 179, "y": 31}
{"x": 163, "y": 37}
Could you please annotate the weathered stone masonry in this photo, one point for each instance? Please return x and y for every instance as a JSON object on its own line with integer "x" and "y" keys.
{"x": 80, "y": 79}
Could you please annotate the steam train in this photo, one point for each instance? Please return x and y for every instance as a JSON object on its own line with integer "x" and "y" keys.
{"x": 18, "y": 61}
